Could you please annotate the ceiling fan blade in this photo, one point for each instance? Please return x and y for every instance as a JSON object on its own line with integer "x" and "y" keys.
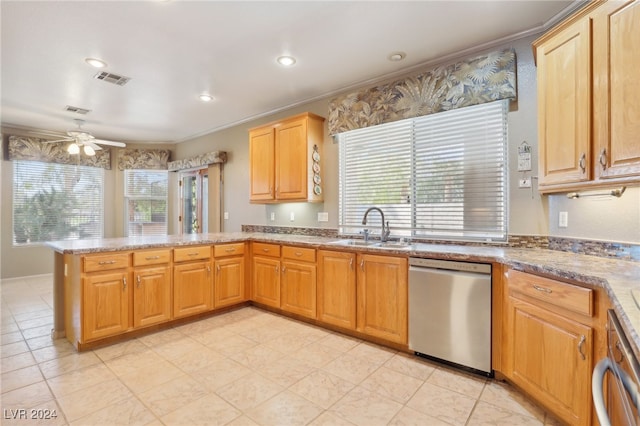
{"x": 47, "y": 133}
{"x": 92, "y": 145}
{"x": 59, "y": 140}
{"x": 110, "y": 143}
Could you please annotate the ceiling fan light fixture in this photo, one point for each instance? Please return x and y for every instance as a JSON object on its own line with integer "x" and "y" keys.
{"x": 96, "y": 63}
{"x": 89, "y": 151}
{"x": 73, "y": 149}
{"x": 396, "y": 56}
{"x": 286, "y": 61}
{"x": 205, "y": 97}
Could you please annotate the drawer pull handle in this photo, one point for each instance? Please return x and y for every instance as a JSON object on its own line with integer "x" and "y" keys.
{"x": 266, "y": 250}
{"x": 298, "y": 254}
{"x": 603, "y": 158}
{"x": 208, "y": 270}
{"x": 218, "y": 269}
{"x": 543, "y": 289}
{"x": 193, "y": 254}
{"x": 351, "y": 264}
{"x": 277, "y": 270}
{"x": 106, "y": 262}
{"x": 582, "y": 163}
{"x": 362, "y": 264}
{"x": 138, "y": 281}
{"x": 152, "y": 258}
{"x": 581, "y": 346}
{"x": 124, "y": 283}
{"x": 230, "y": 250}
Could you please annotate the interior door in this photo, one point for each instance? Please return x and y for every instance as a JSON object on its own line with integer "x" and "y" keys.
{"x": 194, "y": 206}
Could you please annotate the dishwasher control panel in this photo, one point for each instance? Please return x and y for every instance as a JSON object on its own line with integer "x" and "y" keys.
{"x": 481, "y": 268}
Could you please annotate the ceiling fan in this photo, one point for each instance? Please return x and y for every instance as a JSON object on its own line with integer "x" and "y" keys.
{"x": 85, "y": 140}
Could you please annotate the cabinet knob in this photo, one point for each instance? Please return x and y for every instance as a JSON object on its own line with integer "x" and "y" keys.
{"x": 582, "y": 163}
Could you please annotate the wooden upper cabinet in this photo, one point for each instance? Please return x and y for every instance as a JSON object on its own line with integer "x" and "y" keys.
{"x": 564, "y": 113}
{"x": 281, "y": 160}
{"x": 262, "y": 167}
{"x": 616, "y": 63}
{"x": 588, "y": 113}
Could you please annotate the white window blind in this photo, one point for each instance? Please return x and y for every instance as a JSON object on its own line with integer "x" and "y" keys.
{"x": 146, "y": 200}
{"x": 56, "y": 202}
{"x": 440, "y": 176}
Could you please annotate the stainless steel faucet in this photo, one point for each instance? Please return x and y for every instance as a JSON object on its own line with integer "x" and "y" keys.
{"x": 384, "y": 233}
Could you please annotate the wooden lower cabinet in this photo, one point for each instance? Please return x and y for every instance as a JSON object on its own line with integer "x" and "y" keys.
{"x": 551, "y": 341}
{"x": 105, "y": 304}
{"x": 298, "y": 288}
{"x": 151, "y": 296}
{"x": 229, "y": 288}
{"x": 266, "y": 280}
{"x": 192, "y": 285}
{"x": 382, "y": 292}
{"x": 337, "y": 288}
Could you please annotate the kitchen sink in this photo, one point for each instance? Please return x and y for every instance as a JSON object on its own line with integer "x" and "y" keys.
{"x": 362, "y": 243}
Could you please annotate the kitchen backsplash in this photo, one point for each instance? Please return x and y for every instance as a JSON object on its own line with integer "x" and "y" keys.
{"x": 621, "y": 251}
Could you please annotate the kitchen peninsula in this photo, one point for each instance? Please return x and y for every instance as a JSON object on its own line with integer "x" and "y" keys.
{"x": 109, "y": 289}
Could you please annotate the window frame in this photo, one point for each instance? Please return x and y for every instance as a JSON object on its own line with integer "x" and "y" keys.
{"x": 127, "y": 197}
{"x": 472, "y": 218}
{"x": 40, "y": 173}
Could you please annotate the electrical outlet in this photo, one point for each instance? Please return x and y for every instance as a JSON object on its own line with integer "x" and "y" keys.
{"x": 323, "y": 217}
{"x": 292, "y": 216}
{"x": 524, "y": 182}
{"x": 273, "y": 216}
{"x": 226, "y": 215}
{"x": 563, "y": 219}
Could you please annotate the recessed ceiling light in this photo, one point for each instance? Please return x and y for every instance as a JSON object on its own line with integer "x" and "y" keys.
{"x": 97, "y": 63}
{"x": 396, "y": 56}
{"x": 206, "y": 97}
{"x": 286, "y": 61}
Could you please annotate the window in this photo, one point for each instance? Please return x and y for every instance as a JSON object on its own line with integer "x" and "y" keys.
{"x": 145, "y": 194}
{"x": 440, "y": 176}
{"x": 56, "y": 202}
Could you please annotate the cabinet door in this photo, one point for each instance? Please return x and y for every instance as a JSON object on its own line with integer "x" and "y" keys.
{"x": 105, "y": 304}
{"x": 616, "y": 61}
{"x": 564, "y": 99}
{"x": 299, "y": 288}
{"x": 382, "y": 297}
{"x": 262, "y": 164}
{"x": 551, "y": 359}
{"x": 337, "y": 288}
{"x": 192, "y": 284}
{"x": 152, "y": 296}
{"x": 291, "y": 162}
{"x": 230, "y": 285}
{"x": 266, "y": 281}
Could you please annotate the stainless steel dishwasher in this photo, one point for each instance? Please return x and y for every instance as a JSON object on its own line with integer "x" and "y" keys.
{"x": 450, "y": 312}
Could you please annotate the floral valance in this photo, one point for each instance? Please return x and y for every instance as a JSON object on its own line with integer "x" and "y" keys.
{"x": 198, "y": 161}
{"x": 145, "y": 159}
{"x": 35, "y": 149}
{"x": 485, "y": 78}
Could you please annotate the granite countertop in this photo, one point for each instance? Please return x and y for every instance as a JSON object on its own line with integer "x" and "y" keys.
{"x": 618, "y": 277}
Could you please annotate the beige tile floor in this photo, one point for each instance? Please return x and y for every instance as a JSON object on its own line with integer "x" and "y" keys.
{"x": 246, "y": 367}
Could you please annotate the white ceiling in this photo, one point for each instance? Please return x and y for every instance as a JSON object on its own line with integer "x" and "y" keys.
{"x": 175, "y": 50}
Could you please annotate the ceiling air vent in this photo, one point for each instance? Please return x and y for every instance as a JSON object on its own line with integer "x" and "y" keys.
{"x": 112, "y": 78}
{"x": 77, "y": 110}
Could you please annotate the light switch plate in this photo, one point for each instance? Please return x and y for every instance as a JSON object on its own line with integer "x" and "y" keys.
{"x": 273, "y": 216}
{"x": 323, "y": 216}
{"x": 524, "y": 182}
{"x": 563, "y": 219}
{"x": 226, "y": 215}
{"x": 292, "y": 216}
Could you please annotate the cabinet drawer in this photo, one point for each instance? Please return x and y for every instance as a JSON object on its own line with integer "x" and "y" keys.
{"x": 298, "y": 253}
{"x": 105, "y": 262}
{"x": 184, "y": 254}
{"x": 228, "y": 250}
{"x": 151, "y": 257}
{"x": 262, "y": 249}
{"x": 566, "y": 296}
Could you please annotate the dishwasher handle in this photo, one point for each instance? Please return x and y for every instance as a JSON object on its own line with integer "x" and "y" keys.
{"x": 597, "y": 381}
